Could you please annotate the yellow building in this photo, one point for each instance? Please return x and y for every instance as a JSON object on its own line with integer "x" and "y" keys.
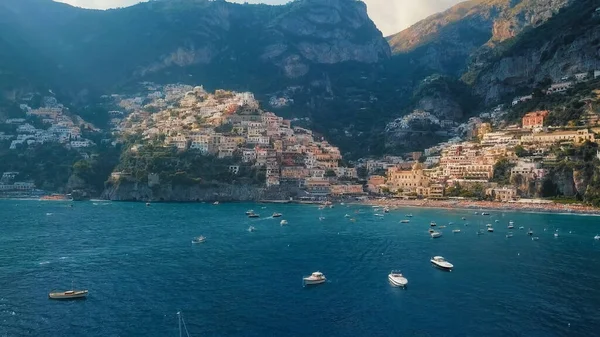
{"x": 575, "y": 136}
{"x": 407, "y": 180}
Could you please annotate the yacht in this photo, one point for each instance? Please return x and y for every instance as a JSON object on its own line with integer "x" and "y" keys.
{"x": 435, "y": 235}
{"x": 404, "y": 221}
{"x": 251, "y": 229}
{"x": 250, "y": 211}
{"x": 277, "y": 215}
{"x": 315, "y": 278}
{"x": 199, "y": 239}
{"x": 432, "y": 224}
{"x": 440, "y": 262}
{"x": 490, "y": 229}
{"x": 511, "y": 225}
{"x": 283, "y": 222}
{"x": 456, "y": 231}
{"x": 69, "y": 294}
{"x": 397, "y": 279}
{"x": 253, "y": 215}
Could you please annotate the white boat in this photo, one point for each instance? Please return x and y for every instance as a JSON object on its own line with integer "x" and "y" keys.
{"x": 250, "y": 211}
{"x": 199, "y": 239}
{"x": 404, "y": 221}
{"x": 315, "y": 278}
{"x": 485, "y": 213}
{"x": 147, "y": 204}
{"x": 283, "y": 222}
{"x": 441, "y": 226}
{"x": 386, "y": 210}
{"x": 464, "y": 218}
{"x": 69, "y": 294}
{"x": 440, "y": 262}
{"x": 597, "y": 237}
{"x": 321, "y": 218}
{"x": 535, "y": 238}
{"x": 379, "y": 215}
{"x": 555, "y": 235}
{"x": 397, "y": 279}
{"x": 277, "y": 215}
{"x": 215, "y": 203}
{"x": 488, "y": 225}
{"x": 251, "y": 229}
{"x": 253, "y": 215}
{"x": 456, "y": 231}
{"x": 432, "y": 224}
{"x": 511, "y": 225}
{"x": 530, "y": 232}
{"x": 435, "y": 234}
{"x": 496, "y": 221}
{"x": 409, "y": 215}
{"x": 521, "y": 228}
{"x": 509, "y": 235}
{"x": 347, "y": 216}
{"x": 490, "y": 229}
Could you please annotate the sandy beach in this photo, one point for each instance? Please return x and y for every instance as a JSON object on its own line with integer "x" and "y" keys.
{"x": 486, "y": 205}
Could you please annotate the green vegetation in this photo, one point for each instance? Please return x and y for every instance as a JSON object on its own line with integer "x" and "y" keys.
{"x": 502, "y": 172}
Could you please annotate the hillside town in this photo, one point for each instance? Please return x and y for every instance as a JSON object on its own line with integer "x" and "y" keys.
{"x": 231, "y": 125}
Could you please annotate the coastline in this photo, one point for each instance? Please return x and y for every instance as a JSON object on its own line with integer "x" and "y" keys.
{"x": 552, "y": 208}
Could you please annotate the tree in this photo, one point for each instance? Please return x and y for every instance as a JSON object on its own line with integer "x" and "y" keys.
{"x": 521, "y": 152}
{"x": 330, "y": 174}
{"x": 362, "y": 172}
{"x": 502, "y": 171}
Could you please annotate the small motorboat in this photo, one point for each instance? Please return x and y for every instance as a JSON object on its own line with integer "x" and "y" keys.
{"x": 480, "y": 233}
{"x": 535, "y": 238}
{"x": 432, "y": 224}
{"x": 597, "y": 237}
{"x": 68, "y": 295}
{"x": 509, "y": 235}
{"x": 199, "y": 239}
{"x": 530, "y": 232}
{"x": 496, "y": 221}
{"x": 283, "y": 222}
{"x": 277, "y": 215}
{"x": 490, "y": 229}
{"x": 386, "y": 210}
{"x": 251, "y": 229}
{"x": 435, "y": 234}
{"x": 441, "y": 226}
{"x": 315, "y": 278}
{"x": 404, "y": 221}
{"x": 215, "y": 203}
{"x": 397, "y": 279}
{"x": 321, "y": 207}
{"x": 488, "y": 225}
{"x": 464, "y": 218}
{"x": 485, "y": 213}
{"x": 347, "y": 216}
{"x": 321, "y": 218}
{"x": 379, "y": 215}
{"x": 521, "y": 228}
{"x": 555, "y": 235}
{"x": 431, "y": 230}
{"x": 254, "y": 215}
{"x": 409, "y": 215}
{"x": 250, "y": 211}
{"x": 147, "y": 204}
{"x": 456, "y": 231}
{"x": 511, "y": 225}
{"x": 441, "y": 263}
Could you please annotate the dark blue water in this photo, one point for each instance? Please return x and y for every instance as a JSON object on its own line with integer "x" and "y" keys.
{"x": 141, "y": 268}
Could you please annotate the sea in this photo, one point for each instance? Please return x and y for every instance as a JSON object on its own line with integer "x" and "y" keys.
{"x": 141, "y": 269}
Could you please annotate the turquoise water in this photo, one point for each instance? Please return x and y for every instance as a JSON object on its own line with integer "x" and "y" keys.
{"x": 141, "y": 268}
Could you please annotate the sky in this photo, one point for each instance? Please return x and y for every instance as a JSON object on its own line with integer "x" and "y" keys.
{"x": 390, "y": 16}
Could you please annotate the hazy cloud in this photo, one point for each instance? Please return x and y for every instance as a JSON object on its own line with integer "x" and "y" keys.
{"x": 391, "y": 16}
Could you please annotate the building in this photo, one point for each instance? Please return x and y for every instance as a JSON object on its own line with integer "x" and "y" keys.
{"x": 535, "y": 119}
{"x": 504, "y": 194}
{"x": 531, "y": 171}
{"x": 581, "y": 77}
{"x": 559, "y": 87}
{"x": 498, "y": 138}
{"x": 575, "y": 137}
{"x": 521, "y": 99}
{"x": 407, "y": 180}
{"x": 317, "y": 187}
{"x": 346, "y": 189}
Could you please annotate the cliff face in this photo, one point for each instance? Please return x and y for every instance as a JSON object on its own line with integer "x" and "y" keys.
{"x": 135, "y": 191}
{"x": 446, "y": 41}
{"x": 166, "y": 37}
{"x": 567, "y": 44}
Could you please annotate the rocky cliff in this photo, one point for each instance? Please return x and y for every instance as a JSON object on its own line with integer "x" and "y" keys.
{"x": 136, "y": 191}
{"x": 567, "y": 44}
{"x": 446, "y": 41}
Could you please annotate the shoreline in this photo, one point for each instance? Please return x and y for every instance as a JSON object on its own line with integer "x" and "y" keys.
{"x": 550, "y": 208}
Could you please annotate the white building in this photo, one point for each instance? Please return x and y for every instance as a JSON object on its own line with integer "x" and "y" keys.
{"x": 80, "y": 143}
{"x": 559, "y": 87}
